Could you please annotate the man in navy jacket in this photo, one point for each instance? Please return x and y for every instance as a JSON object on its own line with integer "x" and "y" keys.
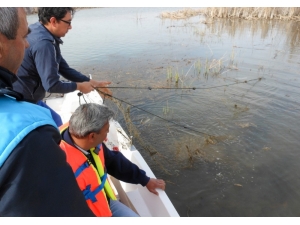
{"x": 35, "y": 179}
{"x": 43, "y": 63}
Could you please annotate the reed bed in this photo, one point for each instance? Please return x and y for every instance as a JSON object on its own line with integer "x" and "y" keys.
{"x": 248, "y": 13}
{"x": 181, "y": 14}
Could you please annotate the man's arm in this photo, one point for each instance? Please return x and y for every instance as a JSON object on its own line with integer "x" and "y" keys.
{"x": 36, "y": 180}
{"x": 49, "y": 68}
{"x": 121, "y": 168}
{"x": 71, "y": 74}
{"x": 44, "y": 55}
{"x": 82, "y": 85}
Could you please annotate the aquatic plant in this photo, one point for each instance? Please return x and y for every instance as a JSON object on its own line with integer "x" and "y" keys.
{"x": 176, "y": 77}
{"x": 232, "y": 55}
{"x": 166, "y": 109}
{"x": 169, "y": 74}
{"x": 198, "y": 66}
{"x": 213, "y": 67}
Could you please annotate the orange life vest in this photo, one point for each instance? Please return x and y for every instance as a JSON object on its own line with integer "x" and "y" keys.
{"x": 91, "y": 180}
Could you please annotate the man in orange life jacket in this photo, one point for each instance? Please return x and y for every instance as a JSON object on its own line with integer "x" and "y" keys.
{"x": 91, "y": 161}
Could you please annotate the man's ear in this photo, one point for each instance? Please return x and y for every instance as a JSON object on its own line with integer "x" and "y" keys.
{"x": 91, "y": 136}
{"x": 53, "y": 21}
{"x": 1, "y": 49}
{"x": 2, "y": 37}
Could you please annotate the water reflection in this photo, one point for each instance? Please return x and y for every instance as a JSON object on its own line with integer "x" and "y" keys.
{"x": 247, "y": 99}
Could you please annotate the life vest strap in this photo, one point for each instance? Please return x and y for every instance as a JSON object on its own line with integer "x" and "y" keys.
{"x": 97, "y": 149}
{"x": 85, "y": 165}
{"x": 88, "y": 194}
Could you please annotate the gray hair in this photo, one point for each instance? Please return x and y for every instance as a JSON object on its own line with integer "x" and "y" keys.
{"x": 9, "y": 22}
{"x": 88, "y": 118}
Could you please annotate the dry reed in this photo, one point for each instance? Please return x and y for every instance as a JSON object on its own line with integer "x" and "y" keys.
{"x": 248, "y": 13}
{"x": 181, "y": 14}
{"x": 282, "y": 13}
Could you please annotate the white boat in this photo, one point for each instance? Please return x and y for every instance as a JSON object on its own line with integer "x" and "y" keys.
{"x": 136, "y": 197}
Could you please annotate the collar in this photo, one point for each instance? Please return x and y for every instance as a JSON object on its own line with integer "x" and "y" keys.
{"x": 6, "y": 78}
{"x": 67, "y": 138}
{"x": 82, "y": 150}
{"x": 57, "y": 39}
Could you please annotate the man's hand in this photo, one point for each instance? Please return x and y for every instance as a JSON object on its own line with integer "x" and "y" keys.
{"x": 101, "y": 86}
{"x": 155, "y": 183}
{"x": 85, "y": 87}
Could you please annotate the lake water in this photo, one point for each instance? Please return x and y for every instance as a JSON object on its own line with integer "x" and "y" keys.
{"x": 231, "y": 146}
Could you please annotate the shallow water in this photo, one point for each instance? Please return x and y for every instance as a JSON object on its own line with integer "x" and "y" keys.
{"x": 247, "y": 103}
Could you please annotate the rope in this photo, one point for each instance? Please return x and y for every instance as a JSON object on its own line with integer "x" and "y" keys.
{"x": 192, "y": 88}
{"x": 105, "y": 94}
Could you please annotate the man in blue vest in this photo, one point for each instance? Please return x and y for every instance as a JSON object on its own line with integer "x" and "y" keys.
{"x": 35, "y": 179}
{"x": 43, "y": 62}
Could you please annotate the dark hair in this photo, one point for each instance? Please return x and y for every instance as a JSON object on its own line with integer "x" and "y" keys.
{"x": 45, "y": 13}
{"x": 9, "y": 22}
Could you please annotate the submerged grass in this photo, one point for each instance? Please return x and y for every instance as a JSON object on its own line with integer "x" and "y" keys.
{"x": 134, "y": 132}
{"x": 173, "y": 75}
{"x": 166, "y": 109}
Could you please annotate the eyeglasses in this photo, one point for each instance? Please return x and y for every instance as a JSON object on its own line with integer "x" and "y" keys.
{"x": 68, "y": 22}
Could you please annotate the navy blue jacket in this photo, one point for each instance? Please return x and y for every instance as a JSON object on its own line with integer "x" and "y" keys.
{"x": 35, "y": 179}
{"x": 117, "y": 164}
{"x": 42, "y": 66}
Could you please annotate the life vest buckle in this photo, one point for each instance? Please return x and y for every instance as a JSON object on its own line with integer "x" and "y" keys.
{"x": 88, "y": 194}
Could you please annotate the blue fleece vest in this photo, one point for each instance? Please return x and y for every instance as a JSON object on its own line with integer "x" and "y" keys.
{"x": 18, "y": 119}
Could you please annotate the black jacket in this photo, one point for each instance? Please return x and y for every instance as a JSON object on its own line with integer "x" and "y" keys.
{"x": 35, "y": 179}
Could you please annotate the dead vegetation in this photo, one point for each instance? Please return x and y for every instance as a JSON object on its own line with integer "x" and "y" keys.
{"x": 248, "y": 13}
{"x": 181, "y": 14}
